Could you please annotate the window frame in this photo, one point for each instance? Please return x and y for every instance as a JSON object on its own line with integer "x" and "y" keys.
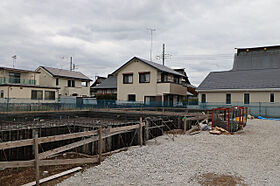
{"x": 228, "y": 101}
{"x": 128, "y": 75}
{"x": 37, "y": 95}
{"x": 246, "y": 101}
{"x": 272, "y": 97}
{"x": 145, "y": 73}
{"x": 203, "y": 98}
{"x": 57, "y": 81}
{"x": 128, "y": 96}
{"x": 49, "y": 91}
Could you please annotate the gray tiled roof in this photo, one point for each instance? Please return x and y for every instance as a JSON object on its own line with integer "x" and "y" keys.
{"x": 243, "y": 79}
{"x": 160, "y": 67}
{"x": 110, "y": 82}
{"x": 154, "y": 65}
{"x": 65, "y": 73}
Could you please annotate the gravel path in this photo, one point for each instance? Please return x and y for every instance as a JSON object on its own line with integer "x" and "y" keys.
{"x": 253, "y": 155}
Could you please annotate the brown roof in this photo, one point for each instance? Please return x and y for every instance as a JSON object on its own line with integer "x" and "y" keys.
{"x": 56, "y": 72}
{"x": 17, "y": 70}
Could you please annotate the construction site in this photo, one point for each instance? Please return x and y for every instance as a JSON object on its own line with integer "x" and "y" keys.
{"x": 151, "y": 146}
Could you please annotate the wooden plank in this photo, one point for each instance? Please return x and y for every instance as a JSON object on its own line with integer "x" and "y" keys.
{"x": 158, "y": 126}
{"x": 100, "y": 145}
{"x": 36, "y": 159}
{"x": 14, "y": 164}
{"x": 124, "y": 128}
{"x": 26, "y": 142}
{"x": 55, "y": 176}
{"x": 67, "y": 147}
{"x": 68, "y": 161}
{"x": 74, "y": 145}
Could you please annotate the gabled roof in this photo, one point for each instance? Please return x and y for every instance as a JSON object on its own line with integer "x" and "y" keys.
{"x": 109, "y": 83}
{"x": 152, "y": 64}
{"x": 244, "y": 79}
{"x": 55, "y": 72}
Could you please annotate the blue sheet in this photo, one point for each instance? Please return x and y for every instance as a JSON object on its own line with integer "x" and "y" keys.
{"x": 276, "y": 119}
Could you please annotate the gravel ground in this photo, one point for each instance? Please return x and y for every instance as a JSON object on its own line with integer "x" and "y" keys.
{"x": 251, "y": 155}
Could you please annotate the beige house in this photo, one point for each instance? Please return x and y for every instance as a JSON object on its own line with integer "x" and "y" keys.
{"x": 254, "y": 78}
{"x": 70, "y": 83}
{"x": 145, "y": 81}
{"x": 18, "y": 85}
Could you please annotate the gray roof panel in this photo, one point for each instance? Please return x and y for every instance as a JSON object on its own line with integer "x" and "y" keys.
{"x": 109, "y": 83}
{"x": 243, "y": 79}
{"x": 65, "y": 73}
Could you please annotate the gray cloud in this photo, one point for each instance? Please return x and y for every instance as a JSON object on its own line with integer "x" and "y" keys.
{"x": 102, "y": 35}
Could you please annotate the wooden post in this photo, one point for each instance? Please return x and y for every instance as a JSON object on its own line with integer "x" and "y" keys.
{"x": 147, "y": 131}
{"x": 100, "y": 145}
{"x": 185, "y": 125}
{"x": 36, "y": 159}
{"x": 141, "y": 132}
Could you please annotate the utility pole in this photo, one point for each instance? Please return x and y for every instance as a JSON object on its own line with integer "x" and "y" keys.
{"x": 71, "y": 64}
{"x": 163, "y": 56}
{"x": 163, "y": 53}
{"x": 151, "y": 49}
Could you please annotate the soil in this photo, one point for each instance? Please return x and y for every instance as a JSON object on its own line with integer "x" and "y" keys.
{"x": 212, "y": 179}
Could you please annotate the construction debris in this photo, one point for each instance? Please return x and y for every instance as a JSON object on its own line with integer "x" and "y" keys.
{"x": 219, "y": 130}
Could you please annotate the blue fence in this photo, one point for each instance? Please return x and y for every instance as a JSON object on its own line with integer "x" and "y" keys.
{"x": 73, "y": 103}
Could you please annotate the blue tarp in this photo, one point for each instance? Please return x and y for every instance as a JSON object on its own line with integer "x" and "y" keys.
{"x": 277, "y": 119}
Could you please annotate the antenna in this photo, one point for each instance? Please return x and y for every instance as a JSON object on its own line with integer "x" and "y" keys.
{"x": 151, "y": 49}
{"x": 14, "y": 60}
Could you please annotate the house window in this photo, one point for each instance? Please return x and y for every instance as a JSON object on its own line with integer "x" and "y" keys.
{"x": 84, "y": 83}
{"x": 14, "y": 77}
{"x": 271, "y": 97}
{"x": 149, "y": 99}
{"x": 49, "y": 95}
{"x": 2, "y": 94}
{"x": 203, "y": 98}
{"x": 176, "y": 79}
{"x": 144, "y": 77}
{"x": 127, "y": 78}
{"x": 131, "y": 97}
{"x": 246, "y": 98}
{"x": 57, "y": 81}
{"x": 164, "y": 77}
{"x": 37, "y": 94}
{"x": 71, "y": 83}
{"x": 228, "y": 98}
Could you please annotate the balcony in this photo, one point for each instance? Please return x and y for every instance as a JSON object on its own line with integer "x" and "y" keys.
{"x": 168, "y": 87}
{"x": 9, "y": 80}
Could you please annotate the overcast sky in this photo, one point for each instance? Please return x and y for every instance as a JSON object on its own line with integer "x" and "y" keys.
{"x": 102, "y": 35}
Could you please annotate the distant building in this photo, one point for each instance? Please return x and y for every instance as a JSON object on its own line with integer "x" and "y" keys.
{"x": 20, "y": 85}
{"x": 146, "y": 81}
{"x": 107, "y": 89}
{"x": 97, "y": 81}
{"x": 70, "y": 83}
{"x": 254, "y": 78}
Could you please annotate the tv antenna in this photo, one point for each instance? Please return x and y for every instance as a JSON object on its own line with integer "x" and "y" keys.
{"x": 151, "y": 49}
{"x": 14, "y": 60}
